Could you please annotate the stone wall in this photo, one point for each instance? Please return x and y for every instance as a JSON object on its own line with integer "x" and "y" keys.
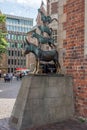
{"x": 72, "y": 38}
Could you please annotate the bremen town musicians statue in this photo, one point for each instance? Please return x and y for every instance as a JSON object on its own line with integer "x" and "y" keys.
{"x": 40, "y": 54}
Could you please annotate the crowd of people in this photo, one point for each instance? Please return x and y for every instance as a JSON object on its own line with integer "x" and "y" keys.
{"x": 16, "y": 75}
{"x": 10, "y": 76}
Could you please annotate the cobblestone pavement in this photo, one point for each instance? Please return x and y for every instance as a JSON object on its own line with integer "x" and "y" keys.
{"x": 8, "y": 94}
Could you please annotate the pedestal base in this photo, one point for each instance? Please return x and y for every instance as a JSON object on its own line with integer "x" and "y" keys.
{"x": 43, "y": 99}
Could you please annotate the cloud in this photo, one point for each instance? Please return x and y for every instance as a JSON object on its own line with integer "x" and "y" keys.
{"x": 27, "y": 8}
{"x": 12, "y": 13}
{"x": 31, "y": 3}
{"x": 1, "y": 1}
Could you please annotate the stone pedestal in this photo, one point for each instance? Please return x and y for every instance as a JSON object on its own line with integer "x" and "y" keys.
{"x": 43, "y": 99}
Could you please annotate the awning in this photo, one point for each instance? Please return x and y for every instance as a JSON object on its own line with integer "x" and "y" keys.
{"x": 20, "y": 68}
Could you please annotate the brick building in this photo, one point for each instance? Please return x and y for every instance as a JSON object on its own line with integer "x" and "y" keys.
{"x": 72, "y": 45}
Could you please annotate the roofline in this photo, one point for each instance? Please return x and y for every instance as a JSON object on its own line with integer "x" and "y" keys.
{"x": 32, "y": 29}
{"x": 19, "y": 17}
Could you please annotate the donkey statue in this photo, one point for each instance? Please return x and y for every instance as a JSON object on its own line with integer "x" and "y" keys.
{"x": 41, "y": 55}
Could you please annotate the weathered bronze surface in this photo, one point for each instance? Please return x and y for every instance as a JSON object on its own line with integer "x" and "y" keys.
{"x": 41, "y": 55}
{"x": 43, "y": 40}
{"x": 46, "y": 19}
{"x": 45, "y": 29}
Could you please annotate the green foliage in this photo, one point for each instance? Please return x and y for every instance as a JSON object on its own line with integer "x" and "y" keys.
{"x": 3, "y": 42}
{"x": 81, "y": 119}
{"x": 2, "y": 18}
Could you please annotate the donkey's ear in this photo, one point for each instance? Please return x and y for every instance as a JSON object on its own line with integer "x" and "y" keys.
{"x": 34, "y": 31}
{"x": 27, "y": 41}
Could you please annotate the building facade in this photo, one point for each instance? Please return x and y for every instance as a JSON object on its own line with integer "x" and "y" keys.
{"x": 17, "y": 28}
{"x": 72, "y": 43}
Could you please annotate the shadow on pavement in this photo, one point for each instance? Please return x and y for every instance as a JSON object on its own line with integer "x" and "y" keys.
{"x": 71, "y": 124}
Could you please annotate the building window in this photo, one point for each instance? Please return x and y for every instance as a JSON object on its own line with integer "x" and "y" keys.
{"x": 12, "y": 53}
{"x": 18, "y": 62}
{"x": 8, "y": 61}
{"x": 12, "y": 61}
{"x": 12, "y": 69}
{"x": 9, "y": 45}
{"x": 15, "y": 61}
{"x": 55, "y": 36}
{"x": 54, "y": 7}
{"x": 9, "y": 52}
{"x": 14, "y": 37}
{"x": 18, "y": 53}
{"x": 16, "y": 44}
{"x": 15, "y": 53}
{"x": 8, "y": 70}
{"x": 8, "y": 36}
{"x": 12, "y": 45}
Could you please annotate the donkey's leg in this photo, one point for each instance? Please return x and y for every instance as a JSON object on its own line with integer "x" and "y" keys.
{"x": 57, "y": 66}
{"x": 54, "y": 46}
{"x": 38, "y": 65}
{"x": 35, "y": 69}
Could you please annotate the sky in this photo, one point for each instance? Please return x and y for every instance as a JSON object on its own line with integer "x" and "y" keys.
{"x": 24, "y": 8}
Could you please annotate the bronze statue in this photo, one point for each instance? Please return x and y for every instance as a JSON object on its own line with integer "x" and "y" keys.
{"x": 43, "y": 40}
{"x": 46, "y": 19}
{"x": 45, "y": 29}
{"x": 42, "y": 56}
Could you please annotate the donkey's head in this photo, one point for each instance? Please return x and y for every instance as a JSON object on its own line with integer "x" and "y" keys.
{"x": 26, "y": 50}
{"x": 34, "y": 34}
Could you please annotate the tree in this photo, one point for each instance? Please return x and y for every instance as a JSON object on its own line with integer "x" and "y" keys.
{"x": 3, "y": 42}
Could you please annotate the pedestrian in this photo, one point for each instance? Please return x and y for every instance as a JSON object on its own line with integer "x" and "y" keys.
{"x": 11, "y": 76}
{"x": 20, "y": 75}
{"x": 17, "y": 76}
